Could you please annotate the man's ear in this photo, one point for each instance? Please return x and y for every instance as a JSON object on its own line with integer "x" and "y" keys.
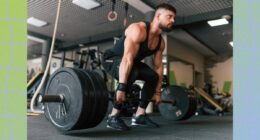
{"x": 158, "y": 13}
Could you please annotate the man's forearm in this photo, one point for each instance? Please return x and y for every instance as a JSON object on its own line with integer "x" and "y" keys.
{"x": 159, "y": 71}
{"x": 124, "y": 70}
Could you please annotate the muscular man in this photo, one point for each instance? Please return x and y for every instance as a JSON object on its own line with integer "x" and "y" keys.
{"x": 123, "y": 62}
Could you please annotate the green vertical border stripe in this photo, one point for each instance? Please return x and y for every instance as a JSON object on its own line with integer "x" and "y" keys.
{"x": 13, "y": 56}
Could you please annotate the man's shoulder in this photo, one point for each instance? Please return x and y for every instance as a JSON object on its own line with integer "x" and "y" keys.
{"x": 136, "y": 30}
{"x": 138, "y": 25}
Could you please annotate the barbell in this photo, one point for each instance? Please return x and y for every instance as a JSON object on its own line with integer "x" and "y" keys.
{"x": 78, "y": 99}
{"x": 60, "y": 99}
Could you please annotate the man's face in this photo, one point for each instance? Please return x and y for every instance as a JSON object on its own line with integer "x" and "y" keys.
{"x": 166, "y": 20}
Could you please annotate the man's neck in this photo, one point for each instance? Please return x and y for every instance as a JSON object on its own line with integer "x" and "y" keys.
{"x": 154, "y": 29}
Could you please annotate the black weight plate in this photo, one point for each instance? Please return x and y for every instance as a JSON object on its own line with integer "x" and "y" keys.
{"x": 192, "y": 106}
{"x": 65, "y": 81}
{"x": 85, "y": 119}
{"x": 102, "y": 97}
{"x": 183, "y": 107}
{"x": 102, "y": 73}
{"x": 98, "y": 101}
{"x": 94, "y": 97}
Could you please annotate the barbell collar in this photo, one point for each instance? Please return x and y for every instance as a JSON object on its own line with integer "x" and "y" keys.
{"x": 51, "y": 98}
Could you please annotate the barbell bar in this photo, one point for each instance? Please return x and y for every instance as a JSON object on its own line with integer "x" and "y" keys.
{"x": 60, "y": 99}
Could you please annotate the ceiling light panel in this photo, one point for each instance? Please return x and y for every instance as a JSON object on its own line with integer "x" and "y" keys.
{"x": 36, "y": 22}
{"x": 86, "y": 4}
{"x": 217, "y": 22}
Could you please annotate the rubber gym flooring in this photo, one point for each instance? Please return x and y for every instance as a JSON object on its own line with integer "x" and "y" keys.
{"x": 196, "y": 128}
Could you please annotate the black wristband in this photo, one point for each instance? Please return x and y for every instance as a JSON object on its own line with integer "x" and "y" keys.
{"x": 122, "y": 87}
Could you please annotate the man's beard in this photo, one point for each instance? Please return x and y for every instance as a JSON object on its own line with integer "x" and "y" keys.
{"x": 166, "y": 29}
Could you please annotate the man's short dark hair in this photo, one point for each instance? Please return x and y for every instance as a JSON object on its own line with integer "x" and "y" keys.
{"x": 166, "y": 6}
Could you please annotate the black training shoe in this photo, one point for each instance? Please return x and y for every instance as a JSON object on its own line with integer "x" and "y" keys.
{"x": 143, "y": 120}
{"x": 115, "y": 122}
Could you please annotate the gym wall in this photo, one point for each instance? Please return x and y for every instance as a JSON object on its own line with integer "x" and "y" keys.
{"x": 70, "y": 54}
{"x": 33, "y": 67}
{"x": 181, "y": 51}
{"x": 222, "y": 72}
{"x": 183, "y": 73}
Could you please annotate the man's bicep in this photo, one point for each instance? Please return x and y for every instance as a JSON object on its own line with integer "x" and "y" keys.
{"x": 132, "y": 41}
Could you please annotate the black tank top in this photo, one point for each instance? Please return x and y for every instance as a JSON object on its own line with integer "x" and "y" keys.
{"x": 144, "y": 51}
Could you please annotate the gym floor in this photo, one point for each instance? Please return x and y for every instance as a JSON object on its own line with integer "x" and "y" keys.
{"x": 196, "y": 128}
